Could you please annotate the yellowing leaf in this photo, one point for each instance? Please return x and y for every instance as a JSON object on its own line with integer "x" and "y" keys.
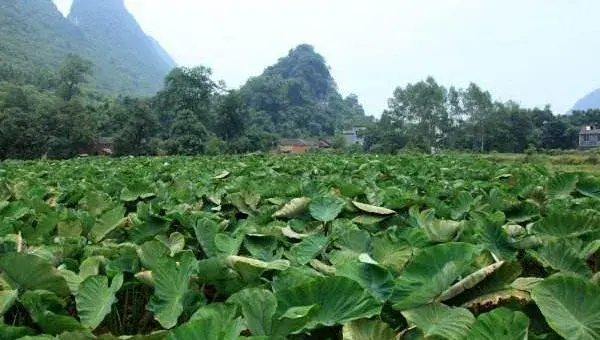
{"x": 373, "y": 209}
{"x": 295, "y": 207}
{"x": 469, "y": 282}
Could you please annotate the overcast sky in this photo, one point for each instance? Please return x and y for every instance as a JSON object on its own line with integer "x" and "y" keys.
{"x": 535, "y": 52}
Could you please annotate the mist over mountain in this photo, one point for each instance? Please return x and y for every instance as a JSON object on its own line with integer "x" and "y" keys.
{"x": 37, "y": 37}
{"x": 589, "y": 102}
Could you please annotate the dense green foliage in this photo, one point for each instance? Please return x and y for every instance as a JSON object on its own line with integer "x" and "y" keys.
{"x": 321, "y": 247}
{"x": 44, "y": 87}
{"x": 428, "y": 116}
{"x": 36, "y": 38}
{"x": 192, "y": 114}
{"x": 35, "y": 123}
{"x": 297, "y": 97}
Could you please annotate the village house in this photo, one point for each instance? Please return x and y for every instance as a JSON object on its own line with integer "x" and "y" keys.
{"x": 296, "y": 145}
{"x": 589, "y": 136}
{"x": 352, "y": 136}
{"x": 293, "y": 146}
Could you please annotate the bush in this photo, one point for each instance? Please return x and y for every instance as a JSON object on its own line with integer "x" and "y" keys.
{"x": 593, "y": 158}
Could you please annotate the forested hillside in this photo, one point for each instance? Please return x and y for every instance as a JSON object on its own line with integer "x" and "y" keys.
{"x": 51, "y": 69}
{"x": 297, "y": 96}
{"x": 36, "y": 38}
{"x": 137, "y": 60}
{"x": 191, "y": 114}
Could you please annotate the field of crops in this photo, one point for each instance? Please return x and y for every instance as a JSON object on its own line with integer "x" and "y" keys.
{"x": 315, "y": 247}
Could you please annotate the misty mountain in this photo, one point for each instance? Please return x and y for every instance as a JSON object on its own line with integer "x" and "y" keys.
{"x": 36, "y": 37}
{"x": 590, "y": 101}
{"x": 163, "y": 54}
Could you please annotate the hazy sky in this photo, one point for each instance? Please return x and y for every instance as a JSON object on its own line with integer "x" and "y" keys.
{"x": 535, "y": 52}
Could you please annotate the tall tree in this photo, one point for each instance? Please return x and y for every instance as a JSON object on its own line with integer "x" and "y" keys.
{"x": 230, "y": 118}
{"x": 188, "y": 134}
{"x": 478, "y": 107}
{"x": 421, "y": 109}
{"x": 71, "y": 130}
{"x": 554, "y": 135}
{"x": 73, "y": 72}
{"x": 137, "y": 127}
{"x": 20, "y": 135}
{"x": 188, "y": 89}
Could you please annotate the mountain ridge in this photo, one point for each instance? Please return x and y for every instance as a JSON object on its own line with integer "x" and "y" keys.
{"x": 39, "y": 37}
{"x": 588, "y": 102}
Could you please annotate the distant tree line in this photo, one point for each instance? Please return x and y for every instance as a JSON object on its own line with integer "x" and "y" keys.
{"x": 193, "y": 114}
{"x": 428, "y": 116}
{"x": 60, "y": 115}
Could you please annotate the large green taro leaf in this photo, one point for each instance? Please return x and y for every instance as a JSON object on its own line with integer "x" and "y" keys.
{"x": 438, "y": 321}
{"x": 461, "y": 204}
{"x": 258, "y": 307}
{"x": 571, "y": 306}
{"x": 337, "y": 300}
{"x": 31, "y": 272}
{"x": 95, "y": 299}
{"x": 561, "y": 185}
{"x": 134, "y": 191}
{"x": 7, "y": 299}
{"x": 500, "y": 324}
{"x": 491, "y": 234}
{"x": 227, "y": 244}
{"x": 394, "y": 248}
{"x": 40, "y": 305}
{"x": 43, "y": 229}
{"x": 365, "y": 329}
{"x": 371, "y": 276}
{"x": 325, "y": 209}
{"x": 251, "y": 269}
{"x": 217, "y": 273}
{"x": 108, "y": 222}
{"x": 95, "y": 202}
{"x": 431, "y": 273}
{"x": 437, "y": 230}
{"x": 175, "y": 242}
{"x": 206, "y": 230}
{"x": 171, "y": 287}
{"x": 589, "y": 186}
{"x": 306, "y": 250}
{"x": 145, "y": 224}
{"x": 568, "y": 223}
{"x": 209, "y": 325}
{"x": 152, "y": 253}
{"x": 8, "y": 332}
{"x": 261, "y": 247}
{"x": 294, "y": 276}
{"x": 347, "y": 236}
{"x": 523, "y": 211}
{"x": 559, "y": 256}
